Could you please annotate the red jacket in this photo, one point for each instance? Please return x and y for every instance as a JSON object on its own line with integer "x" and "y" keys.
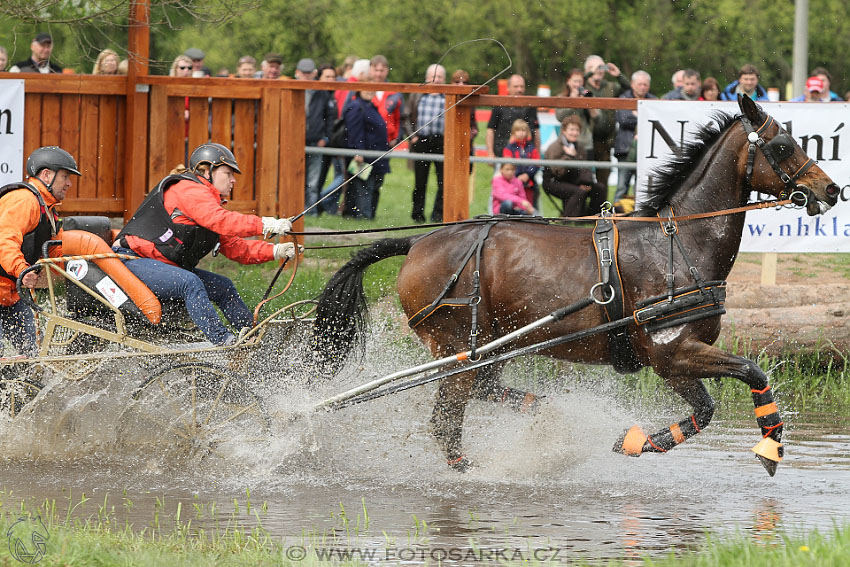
{"x": 200, "y": 204}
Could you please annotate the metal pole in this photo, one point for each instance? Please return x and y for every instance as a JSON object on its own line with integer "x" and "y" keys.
{"x": 801, "y": 46}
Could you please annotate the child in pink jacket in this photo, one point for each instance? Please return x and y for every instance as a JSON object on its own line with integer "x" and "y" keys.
{"x": 508, "y": 194}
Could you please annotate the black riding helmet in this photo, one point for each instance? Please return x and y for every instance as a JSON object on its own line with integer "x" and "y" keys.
{"x": 213, "y": 154}
{"x": 52, "y": 158}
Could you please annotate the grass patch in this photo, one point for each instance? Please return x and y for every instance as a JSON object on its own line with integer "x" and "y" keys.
{"x": 199, "y": 534}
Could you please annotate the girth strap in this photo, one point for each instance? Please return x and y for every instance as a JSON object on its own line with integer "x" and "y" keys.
{"x": 605, "y": 242}
{"x": 474, "y": 297}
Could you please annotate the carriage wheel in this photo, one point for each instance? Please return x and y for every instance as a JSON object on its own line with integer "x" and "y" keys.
{"x": 200, "y": 408}
{"x": 15, "y": 393}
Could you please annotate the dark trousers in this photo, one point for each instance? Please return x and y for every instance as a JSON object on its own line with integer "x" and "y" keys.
{"x": 427, "y": 145}
{"x": 602, "y": 152}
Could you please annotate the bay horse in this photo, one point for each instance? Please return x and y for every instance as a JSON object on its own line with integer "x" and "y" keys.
{"x": 527, "y": 270}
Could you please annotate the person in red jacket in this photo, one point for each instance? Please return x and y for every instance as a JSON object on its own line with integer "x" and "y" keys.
{"x": 521, "y": 146}
{"x": 181, "y": 221}
{"x": 28, "y": 219}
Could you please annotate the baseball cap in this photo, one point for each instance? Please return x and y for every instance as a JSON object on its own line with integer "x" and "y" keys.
{"x": 44, "y": 37}
{"x": 814, "y": 84}
{"x": 273, "y": 58}
{"x": 194, "y": 54}
{"x": 306, "y": 65}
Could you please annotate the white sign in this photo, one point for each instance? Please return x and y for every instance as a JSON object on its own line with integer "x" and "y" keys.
{"x": 110, "y": 290}
{"x": 11, "y": 130}
{"x": 822, "y": 130}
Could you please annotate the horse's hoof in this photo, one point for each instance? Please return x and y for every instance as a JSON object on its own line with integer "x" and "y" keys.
{"x": 631, "y": 442}
{"x": 770, "y": 453}
{"x": 461, "y": 464}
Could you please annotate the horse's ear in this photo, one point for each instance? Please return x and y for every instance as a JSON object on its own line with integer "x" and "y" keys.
{"x": 748, "y": 108}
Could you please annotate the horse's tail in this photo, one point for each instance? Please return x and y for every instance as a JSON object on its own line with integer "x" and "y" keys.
{"x": 341, "y": 317}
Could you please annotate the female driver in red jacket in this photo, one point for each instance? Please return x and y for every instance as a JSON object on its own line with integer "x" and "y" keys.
{"x": 180, "y": 222}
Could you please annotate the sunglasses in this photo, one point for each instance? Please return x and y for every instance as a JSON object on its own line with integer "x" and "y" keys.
{"x": 182, "y": 68}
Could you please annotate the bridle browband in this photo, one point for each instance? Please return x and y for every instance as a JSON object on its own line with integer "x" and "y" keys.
{"x": 777, "y": 150}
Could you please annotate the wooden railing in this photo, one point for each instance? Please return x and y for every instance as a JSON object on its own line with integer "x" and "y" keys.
{"x": 128, "y": 135}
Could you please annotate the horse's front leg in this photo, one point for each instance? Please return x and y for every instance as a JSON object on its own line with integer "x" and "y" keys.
{"x": 447, "y": 417}
{"x": 634, "y": 441}
{"x": 698, "y": 360}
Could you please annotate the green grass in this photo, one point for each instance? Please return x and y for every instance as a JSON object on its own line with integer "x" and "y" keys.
{"x": 84, "y": 532}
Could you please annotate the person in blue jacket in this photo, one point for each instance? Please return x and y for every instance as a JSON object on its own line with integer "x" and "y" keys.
{"x": 747, "y": 83}
{"x": 365, "y": 130}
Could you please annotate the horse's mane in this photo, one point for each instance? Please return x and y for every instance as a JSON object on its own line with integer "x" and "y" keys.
{"x": 668, "y": 177}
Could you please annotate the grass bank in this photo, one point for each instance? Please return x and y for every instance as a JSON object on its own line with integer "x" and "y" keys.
{"x": 201, "y": 535}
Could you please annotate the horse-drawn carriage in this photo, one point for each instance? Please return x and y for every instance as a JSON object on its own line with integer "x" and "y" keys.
{"x": 95, "y": 317}
{"x": 644, "y": 290}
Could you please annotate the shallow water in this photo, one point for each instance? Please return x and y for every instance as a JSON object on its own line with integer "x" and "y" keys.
{"x": 544, "y": 486}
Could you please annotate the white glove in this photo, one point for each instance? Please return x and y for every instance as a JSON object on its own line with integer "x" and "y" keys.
{"x": 286, "y": 250}
{"x": 275, "y": 227}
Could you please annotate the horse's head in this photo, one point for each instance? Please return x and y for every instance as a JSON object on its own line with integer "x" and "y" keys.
{"x": 775, "y": 164}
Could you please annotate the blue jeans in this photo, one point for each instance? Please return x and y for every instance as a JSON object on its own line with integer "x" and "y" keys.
{"x": 17, "y": 325}
{"x": 313, "y": 167}
{"x": 198, "y": 289}
{"x": 331, "y": 204}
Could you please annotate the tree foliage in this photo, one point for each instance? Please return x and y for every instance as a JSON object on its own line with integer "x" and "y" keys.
{"x": 544, "y": 39}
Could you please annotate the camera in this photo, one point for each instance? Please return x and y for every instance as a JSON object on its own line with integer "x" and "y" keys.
{"x": 584, "y": 92}
{"x": 603, "y": 68}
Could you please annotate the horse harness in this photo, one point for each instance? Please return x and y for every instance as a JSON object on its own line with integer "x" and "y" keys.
{"x": 676, "y": 307}
{"x": 777, "y": 150}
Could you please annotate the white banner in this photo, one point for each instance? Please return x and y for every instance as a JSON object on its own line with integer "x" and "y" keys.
{"x": 820, "y": 129}
{"x": 11, "y": 130}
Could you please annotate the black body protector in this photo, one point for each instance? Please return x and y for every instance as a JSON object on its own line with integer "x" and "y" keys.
{"x": 46, "y": 229}
{"x": 183, "y": 244}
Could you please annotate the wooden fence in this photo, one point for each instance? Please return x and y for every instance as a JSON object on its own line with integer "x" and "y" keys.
{"x": 127, "y": 134}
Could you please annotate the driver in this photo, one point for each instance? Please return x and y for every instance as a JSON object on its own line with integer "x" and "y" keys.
{"x": 28, "y": 219}
{"x": 181, "y": 221}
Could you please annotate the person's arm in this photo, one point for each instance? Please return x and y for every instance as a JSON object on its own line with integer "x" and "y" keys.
{"x": 204, "y": 208}
{"x": 246, "y": 251}
{"x": 20, "y": 214}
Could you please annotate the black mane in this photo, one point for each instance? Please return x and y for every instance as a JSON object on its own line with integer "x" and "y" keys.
{"x": 668, "y": 176}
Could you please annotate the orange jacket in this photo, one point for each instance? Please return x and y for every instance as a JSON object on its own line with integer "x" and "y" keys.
{"x": 20, "y": 213}
{"x": 200, "y": 205}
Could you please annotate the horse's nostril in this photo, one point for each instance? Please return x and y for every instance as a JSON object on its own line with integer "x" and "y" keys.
{"x": 832, "y": 190}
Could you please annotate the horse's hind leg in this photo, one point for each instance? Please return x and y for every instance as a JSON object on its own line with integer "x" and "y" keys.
{"x": 489, "y": 388}
{"x": 447, "y": 417}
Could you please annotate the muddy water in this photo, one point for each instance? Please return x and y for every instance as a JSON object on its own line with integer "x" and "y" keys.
{"x": 546, "y": 484}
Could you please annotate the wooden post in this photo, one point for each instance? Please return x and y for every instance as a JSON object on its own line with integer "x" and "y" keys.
{"x": 768, "y": 268}
{"x": 293, "y": 131}
{"x": 136, "y": 141}
{"x": 268, "y": 161}
{"x": 456, "y": 164}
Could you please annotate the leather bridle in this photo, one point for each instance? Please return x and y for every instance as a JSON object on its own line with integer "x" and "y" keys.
{"x": 779, "y": 149}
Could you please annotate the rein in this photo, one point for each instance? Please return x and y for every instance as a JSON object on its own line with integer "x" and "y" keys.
{"x": 521, "y": 218}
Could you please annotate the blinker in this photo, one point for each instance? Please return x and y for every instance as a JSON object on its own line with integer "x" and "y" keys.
{"x": 782, "y": 146}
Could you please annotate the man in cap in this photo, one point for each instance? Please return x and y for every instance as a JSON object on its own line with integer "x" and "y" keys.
{"x": 198, "y": 68}
{"x": 41, "y": 48}
{"x": 815, "y": 91}
{"x": 28, "y": 219}
{"x": 271, "y": 66}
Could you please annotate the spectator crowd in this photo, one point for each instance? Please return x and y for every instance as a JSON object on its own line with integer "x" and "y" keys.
{"x": 375, "y": 120}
